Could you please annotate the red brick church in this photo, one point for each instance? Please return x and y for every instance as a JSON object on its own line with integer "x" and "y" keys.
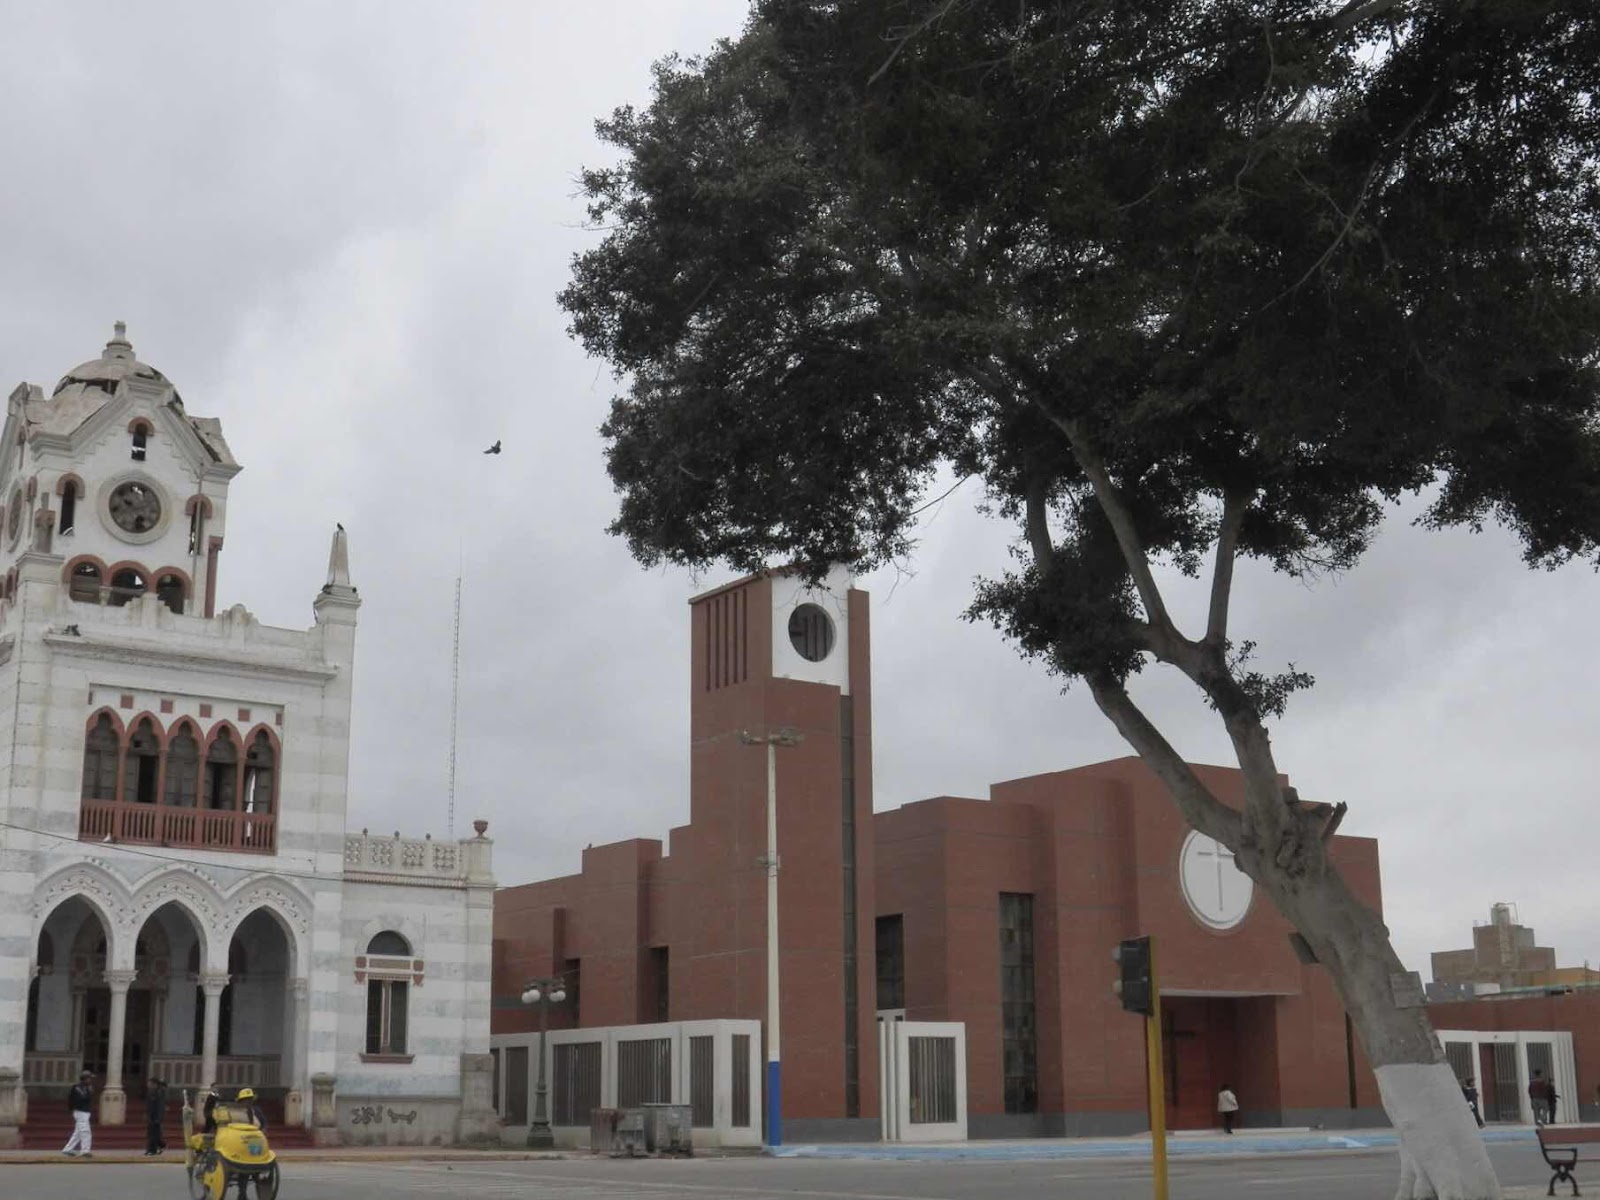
{"x": 998, "y": 913}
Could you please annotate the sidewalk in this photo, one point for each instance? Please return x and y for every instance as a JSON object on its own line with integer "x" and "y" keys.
{"x": 1254, "y": 1144}
{"x": 1179, "y": 1145}
{"x": 332, "y": 1154}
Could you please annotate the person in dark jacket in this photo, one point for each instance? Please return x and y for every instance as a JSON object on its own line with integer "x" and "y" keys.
{"x": 1538, "y": 1095}
{"x": 1469, "y": 1089}
{"x": 155, "y": 1108}
{"x": 80, "y": 1102}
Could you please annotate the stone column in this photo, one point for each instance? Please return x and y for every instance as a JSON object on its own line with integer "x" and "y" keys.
{"x": 478, "y": 1123}
{"x": 293, "y": 1058}
{"x": 113, "y": 1100}
{"x": 11, "y": 1113}
{"x": 324, "y": 1116}
{"x": 211, "y": 983}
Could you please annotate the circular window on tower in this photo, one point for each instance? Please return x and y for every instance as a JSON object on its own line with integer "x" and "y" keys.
{"x": 811, "y": 632}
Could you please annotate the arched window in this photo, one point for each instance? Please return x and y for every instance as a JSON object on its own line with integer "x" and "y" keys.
{"x": 389, "y": 942}
{"x": 85, "y": 585}
{"x": 141, "y": 764}
{"x": 127, "y": 584}
{"x": 141, "y": 442}
{"x": 388, "y": 996}
{"x": 260, "y": 774}
{"x": 183, "y": 768}
{"x": 222, "y": 771}
{"x": 69, "y": 508}
{"x": 170, "y": 591}
{"x": 100, "y": 752}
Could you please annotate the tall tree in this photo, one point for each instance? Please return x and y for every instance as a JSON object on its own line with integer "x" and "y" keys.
{"x": 1182, "y": 281}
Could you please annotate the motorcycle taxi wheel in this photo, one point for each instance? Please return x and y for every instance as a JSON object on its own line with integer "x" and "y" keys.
{"x": 267, "y": 1184}
{"x": 199, "y": 1189}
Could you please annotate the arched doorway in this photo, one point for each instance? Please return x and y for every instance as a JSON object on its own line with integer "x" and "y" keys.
{"x": 161, "y": 1001}
{"x": 69, "y": 1002}
{"x": 256, "y": 1010}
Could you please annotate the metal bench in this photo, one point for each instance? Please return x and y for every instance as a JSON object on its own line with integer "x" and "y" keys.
{"x": 1560, "y": 1146}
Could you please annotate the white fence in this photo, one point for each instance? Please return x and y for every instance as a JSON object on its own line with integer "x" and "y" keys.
{"x": 1502, "y": 1063}
{"x": 922, "y": 1079}
{"x": 714, "y": 1067}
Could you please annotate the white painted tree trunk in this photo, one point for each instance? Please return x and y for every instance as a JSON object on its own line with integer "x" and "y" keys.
{"x": 1442, "y": 1153}
{"x": 1441, "y": 1149}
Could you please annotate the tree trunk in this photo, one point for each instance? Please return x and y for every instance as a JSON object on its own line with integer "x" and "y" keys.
{"x": 1442, "y": 1153}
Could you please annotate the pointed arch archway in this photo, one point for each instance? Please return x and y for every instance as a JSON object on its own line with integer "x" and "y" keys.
{"x": 68, "y": 1024}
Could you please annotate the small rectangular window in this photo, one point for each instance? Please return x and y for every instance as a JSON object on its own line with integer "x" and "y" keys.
{"x": 386, "y": 1016}
{"x": 891, "y": 955}
{"x": 139, "y": 443}
{"x": 69, "y": 508}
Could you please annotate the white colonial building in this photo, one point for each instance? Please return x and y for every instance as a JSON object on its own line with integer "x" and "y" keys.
{"x": 179, "y": 897}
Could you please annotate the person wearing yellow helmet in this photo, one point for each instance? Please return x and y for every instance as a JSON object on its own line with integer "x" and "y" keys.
{"x": 248, "y": 1108}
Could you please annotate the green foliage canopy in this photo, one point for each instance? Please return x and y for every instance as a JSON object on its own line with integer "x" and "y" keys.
{"x": 1167, "y": 275}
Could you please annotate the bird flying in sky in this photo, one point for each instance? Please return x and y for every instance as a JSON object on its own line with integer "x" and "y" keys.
{"x": 494, "y": 449}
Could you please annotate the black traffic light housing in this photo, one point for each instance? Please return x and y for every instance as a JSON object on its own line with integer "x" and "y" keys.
{"x": 1133, "y": 986}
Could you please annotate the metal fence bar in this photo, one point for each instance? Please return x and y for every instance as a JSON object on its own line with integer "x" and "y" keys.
{"x": 741, "y": 1081}
{"x": 932, "y": 1062}
{"x": 702, "y": 1082}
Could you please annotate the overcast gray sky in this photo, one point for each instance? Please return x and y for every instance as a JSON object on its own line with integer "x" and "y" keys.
{"x": 340, "y": 228}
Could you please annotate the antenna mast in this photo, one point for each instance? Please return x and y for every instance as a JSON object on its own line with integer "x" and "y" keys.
{"x": 455, "y": 706}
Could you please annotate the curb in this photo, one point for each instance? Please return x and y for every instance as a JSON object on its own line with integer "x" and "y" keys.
{"x": 1131, "y": 1148}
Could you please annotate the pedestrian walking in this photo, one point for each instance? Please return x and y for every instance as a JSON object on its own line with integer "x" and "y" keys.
{"x": 1228, "y": 1107}
{"x": 155, "y": 1110}
{"x": 1469, "y": 1089}
{"x": 1550, "y": 1099}
{"x": 1538, "y": 1096}
{"x": 80, "y": 1102}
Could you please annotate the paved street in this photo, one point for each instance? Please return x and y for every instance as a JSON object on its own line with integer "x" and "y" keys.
{"x": 1345, "y": 1175}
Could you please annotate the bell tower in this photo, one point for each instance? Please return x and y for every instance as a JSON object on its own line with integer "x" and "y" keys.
{"x": 773, "y": 654}
{"x": 112, "y": 474}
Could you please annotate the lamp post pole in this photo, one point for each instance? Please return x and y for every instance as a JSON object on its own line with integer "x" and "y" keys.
{"x": 542, "y": 992}
{"x": 784, "y": 737}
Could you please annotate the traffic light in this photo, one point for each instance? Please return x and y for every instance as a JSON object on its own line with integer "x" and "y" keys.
{"x": 1133, "y": 985}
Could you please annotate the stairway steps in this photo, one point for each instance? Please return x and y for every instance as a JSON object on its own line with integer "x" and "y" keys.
{"x": 52, "y": 1135}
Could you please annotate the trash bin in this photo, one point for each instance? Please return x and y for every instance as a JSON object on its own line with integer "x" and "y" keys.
{"x": 668, "y": 1129}
{"x": 603, "y": 1129}
{"x": 630, "y": 1133}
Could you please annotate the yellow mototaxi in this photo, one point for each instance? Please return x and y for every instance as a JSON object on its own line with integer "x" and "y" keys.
{"x": 236, "y": 1155}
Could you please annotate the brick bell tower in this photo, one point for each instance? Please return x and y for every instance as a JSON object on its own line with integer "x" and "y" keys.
{"x": 770, "y": 654}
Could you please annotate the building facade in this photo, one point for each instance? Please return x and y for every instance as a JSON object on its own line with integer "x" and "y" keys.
{"x": 998, "y": 914}
{"x": 179, "y": 897}
{"x": 1504, "y": 956}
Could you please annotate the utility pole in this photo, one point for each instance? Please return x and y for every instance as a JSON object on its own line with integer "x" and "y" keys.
{"x": 783, "y": 737}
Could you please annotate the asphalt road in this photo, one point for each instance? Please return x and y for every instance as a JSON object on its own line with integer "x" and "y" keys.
{"x": 1344, "y": 1175}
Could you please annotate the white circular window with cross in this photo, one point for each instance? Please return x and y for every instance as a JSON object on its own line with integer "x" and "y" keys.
{"x": 1217, "y": 891}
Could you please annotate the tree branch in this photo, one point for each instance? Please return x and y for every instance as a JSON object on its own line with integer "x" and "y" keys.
{"x": 1115, "y": 506}
{"x": 1038, "y": 528}
{"x": 1199, "y": 807}
{"x": 1357, "y": 11}
{"x": 1233, "y": 509}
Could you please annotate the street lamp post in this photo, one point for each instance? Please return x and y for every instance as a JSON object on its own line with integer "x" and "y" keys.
{"x": 544, "y": 993}
{"x": 784, "y": 737}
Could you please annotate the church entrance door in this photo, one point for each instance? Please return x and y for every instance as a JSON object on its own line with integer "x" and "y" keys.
{"x": 1199, "y": 1054}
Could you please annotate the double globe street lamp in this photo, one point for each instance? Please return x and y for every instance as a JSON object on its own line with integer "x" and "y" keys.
{"x": 544, "y": 993}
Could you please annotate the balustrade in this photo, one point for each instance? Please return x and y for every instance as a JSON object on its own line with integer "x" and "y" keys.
{"x": 163, "y": 825}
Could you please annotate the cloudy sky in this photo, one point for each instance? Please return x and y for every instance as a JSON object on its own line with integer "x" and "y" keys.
{"x": 340, "y": 229}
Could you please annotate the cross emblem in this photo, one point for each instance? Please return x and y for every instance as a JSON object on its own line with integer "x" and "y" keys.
{"x": 1224, "y": 859}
